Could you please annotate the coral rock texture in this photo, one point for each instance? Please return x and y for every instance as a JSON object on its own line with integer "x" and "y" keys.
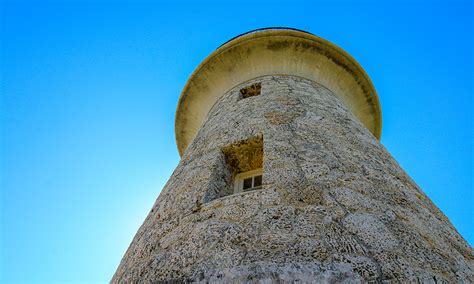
{"x": 334, "y": 207}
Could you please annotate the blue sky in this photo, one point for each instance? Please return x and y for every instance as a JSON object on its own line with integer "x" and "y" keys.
{"x": 89, "y": 90}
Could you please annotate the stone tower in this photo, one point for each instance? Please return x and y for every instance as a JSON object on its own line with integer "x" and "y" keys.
{"x": 282, "y": 178}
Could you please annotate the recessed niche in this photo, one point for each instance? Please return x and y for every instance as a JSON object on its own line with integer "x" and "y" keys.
{"x": 245, "y": 163}
{"x": 238, "y": 169}
{"x": 251, "y": 91}
{"x": 245, "y": 155}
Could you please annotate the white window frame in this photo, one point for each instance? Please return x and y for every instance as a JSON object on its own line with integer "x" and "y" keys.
{"x": 239, "y": 179}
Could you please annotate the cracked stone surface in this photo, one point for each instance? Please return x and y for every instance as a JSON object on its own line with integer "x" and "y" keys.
{"x": 335, "y": 206}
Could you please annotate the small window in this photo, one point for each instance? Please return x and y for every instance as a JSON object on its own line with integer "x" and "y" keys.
{"x": 244, "y": 161}
{"x": 248, "y": 181}
{"x": 252, "y": 90}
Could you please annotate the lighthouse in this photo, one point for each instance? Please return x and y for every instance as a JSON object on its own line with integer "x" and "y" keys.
{"x": 282, "y": 178}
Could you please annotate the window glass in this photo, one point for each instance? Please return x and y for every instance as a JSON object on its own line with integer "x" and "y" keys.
{"x": 247, "y": 183}
{"x": 257, "y": 181}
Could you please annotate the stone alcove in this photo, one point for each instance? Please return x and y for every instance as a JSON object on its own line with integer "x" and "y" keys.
{"x": 236, "y": 159}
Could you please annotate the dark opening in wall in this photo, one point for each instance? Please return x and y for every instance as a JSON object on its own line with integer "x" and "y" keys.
{"x": 252, "y": 90}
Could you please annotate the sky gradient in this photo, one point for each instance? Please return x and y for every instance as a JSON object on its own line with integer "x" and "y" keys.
{"x": 89, "y": 92}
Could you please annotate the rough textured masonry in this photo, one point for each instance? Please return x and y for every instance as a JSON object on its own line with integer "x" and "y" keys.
{"x": 334, "y": 207}
{"x": 299, "y": 113}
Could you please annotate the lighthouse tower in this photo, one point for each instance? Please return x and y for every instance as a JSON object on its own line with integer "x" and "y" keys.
{"x": 282, "y": 178}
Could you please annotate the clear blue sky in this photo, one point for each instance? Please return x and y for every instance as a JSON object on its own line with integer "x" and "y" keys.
{"x": 89, "y": 89}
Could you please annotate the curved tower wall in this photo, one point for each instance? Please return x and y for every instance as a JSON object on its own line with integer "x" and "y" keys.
{"x": 334, "y": 205}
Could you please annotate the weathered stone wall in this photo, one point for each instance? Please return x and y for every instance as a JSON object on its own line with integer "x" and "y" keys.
{"x": 335, "y": 206}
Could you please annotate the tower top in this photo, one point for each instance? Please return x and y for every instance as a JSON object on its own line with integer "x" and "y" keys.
{"x": 275, "y": 51}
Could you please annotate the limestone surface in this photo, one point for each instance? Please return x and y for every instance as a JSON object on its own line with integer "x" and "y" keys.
{"x": 334, "y": 207}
